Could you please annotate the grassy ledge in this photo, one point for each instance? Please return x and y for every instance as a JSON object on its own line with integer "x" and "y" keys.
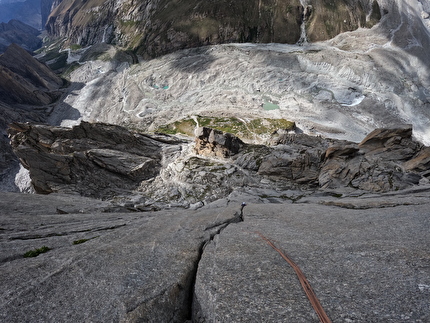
{"x": 36, "y": 252}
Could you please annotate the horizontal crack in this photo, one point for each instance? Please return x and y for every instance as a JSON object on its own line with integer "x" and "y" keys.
{"x": 40, "y": 236}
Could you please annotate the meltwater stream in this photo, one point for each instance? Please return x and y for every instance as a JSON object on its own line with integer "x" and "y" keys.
{"x": 303, "y": 37}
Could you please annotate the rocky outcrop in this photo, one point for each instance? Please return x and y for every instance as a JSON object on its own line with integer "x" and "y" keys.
{"x": 420, "y": 162}
{"x": 19, "y": 33}
{"x": 95, "y": 160}
{"x": 164, "y": 169}
{"x": 25, "y": 80}
{"x": 210, "y": 142}
{"x": 164, "y": 26}
{"x": 46, "y": 7}
{"x": 328, "y": 18}
{"x": 376, "y": 164}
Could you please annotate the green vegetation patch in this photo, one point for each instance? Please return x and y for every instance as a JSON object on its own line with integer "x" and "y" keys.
{"x": 36, "y": 252}
{"x": 83, "y": 240}
{"x": 227, "y": 124}
{"x": 185, "y": 126}
{"x": 75, "y": 46}
{"x": 240, "y": 128}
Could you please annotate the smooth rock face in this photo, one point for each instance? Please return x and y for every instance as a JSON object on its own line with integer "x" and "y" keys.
{"x": 365, "y": 257}
{"x": 363, "y": 266}
{"x": 102, "y": 267}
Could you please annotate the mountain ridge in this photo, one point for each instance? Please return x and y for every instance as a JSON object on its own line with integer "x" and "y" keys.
{"x": 159, "y": 27}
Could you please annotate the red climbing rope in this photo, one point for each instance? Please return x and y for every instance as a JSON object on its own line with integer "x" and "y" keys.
{"x": 303, "y": 281}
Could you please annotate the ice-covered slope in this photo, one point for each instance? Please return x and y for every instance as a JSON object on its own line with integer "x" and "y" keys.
{"x": 342, "y": 88}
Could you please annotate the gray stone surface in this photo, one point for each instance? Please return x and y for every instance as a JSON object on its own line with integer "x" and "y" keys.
{"x": 365, "y": 255}
{"x": 364, "y": 265}
{"x": 135, "y": 267}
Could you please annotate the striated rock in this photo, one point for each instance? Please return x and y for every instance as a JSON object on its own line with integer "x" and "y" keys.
{"x": 355, "y": 260}
{"x": 299, "y": 166}
{"x": 297, "y": 158}
{"x": 365, "y": 257}
{"x": 420, "y": 163}
{"x": 395, "y": 143}
{"x": 96, "y": 160}
{"x": 9, "y": 164}
{"x": 337, "y": 151}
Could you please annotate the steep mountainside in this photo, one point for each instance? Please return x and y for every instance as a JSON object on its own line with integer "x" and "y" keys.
{"x": 26, "y": 87}
{"x": 158, "y": 27}
{"x": 28, "y": 11}
{"x": 19, "y": 33}
{"x": 25, "y": 80}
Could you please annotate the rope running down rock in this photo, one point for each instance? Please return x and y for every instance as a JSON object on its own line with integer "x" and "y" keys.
{"x": 303, "y": 281}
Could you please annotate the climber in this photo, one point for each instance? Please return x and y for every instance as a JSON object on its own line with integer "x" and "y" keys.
{"x": 241, "y": 209}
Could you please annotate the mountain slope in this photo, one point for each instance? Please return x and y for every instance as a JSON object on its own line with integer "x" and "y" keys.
{"x": 28, "y": 11}
{"x": 162, "y": 26}
{"x": 23, "y": 79}
{"x": 17, "y": 32}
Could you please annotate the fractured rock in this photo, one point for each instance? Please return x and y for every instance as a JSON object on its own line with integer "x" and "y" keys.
{"x": 394, "y": 143}
{"x": 212, "y": 142}
{"x": 363, "y": 265}
{"x": 373, "y": 165}
{"x": 420, "y": 163}
{"x": 96, "y": 160}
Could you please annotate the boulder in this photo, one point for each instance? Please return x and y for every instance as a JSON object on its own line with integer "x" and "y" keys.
{"x": 298, "y": 166}
{"x": 420, "y": 163}
{"x": 395, "y": 143}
